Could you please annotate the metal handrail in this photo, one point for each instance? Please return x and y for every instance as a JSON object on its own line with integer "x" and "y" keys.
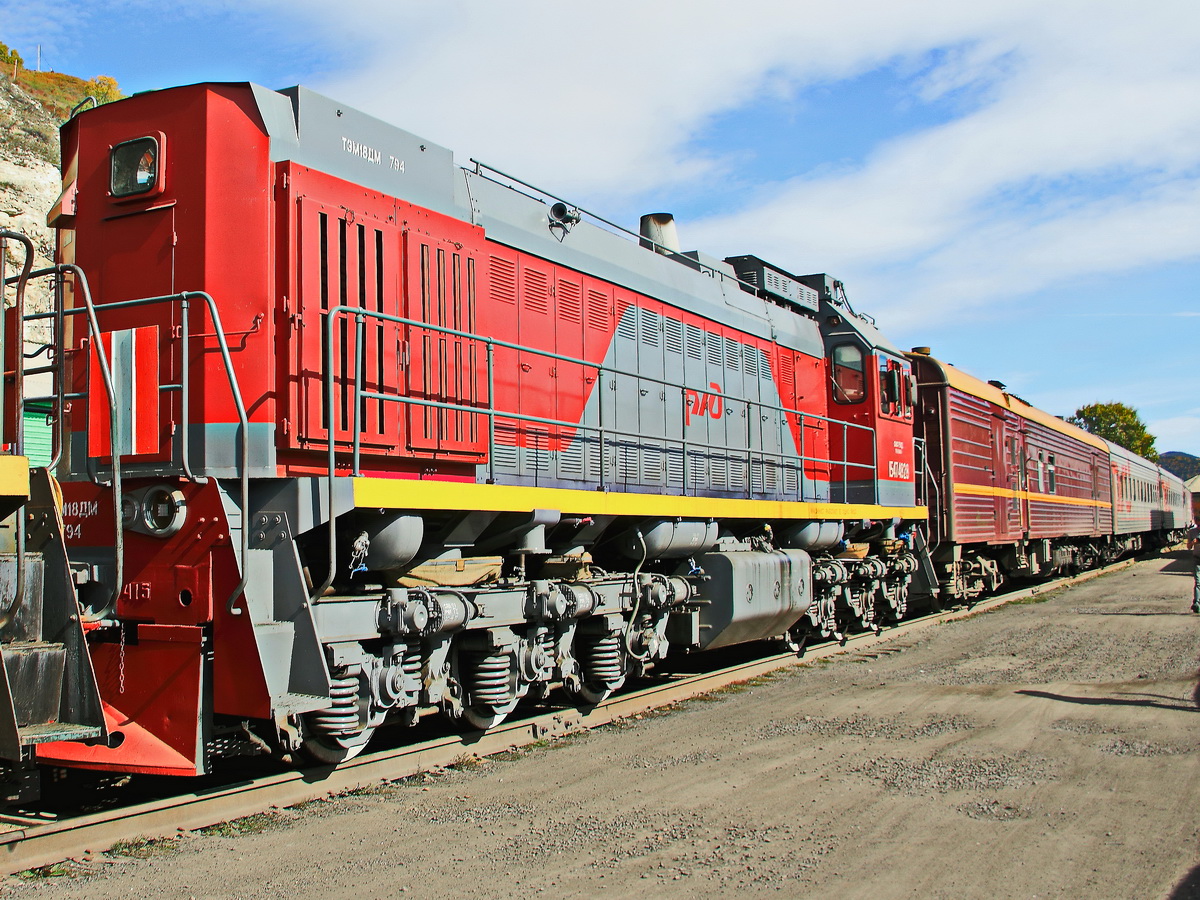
{"x": 491, "y": 413}
{"x": 599, "y": 368}
{"x": 106, "y": 374}
{"x": 482, "y": 168}
{"x": 184, "y": 387}
{"x": 19, "y": 389}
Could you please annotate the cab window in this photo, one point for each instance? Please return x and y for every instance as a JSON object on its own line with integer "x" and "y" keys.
{"x": 849, "y": 375}
{"x": 894, "y": 396}
{"x": 134, "y": 167}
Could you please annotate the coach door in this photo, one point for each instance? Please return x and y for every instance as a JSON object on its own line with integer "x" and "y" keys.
{"x": 1000, "y": 478}
{"x": 1011, "y": 495}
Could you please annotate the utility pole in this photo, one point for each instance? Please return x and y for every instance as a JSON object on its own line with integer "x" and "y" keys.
{"x": 39, "y": 55}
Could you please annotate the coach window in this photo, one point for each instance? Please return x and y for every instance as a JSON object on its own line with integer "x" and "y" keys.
{"x": 1052, "y": 470}
{"x": 1041, "y": 472}
{"x": 849, "y": 375}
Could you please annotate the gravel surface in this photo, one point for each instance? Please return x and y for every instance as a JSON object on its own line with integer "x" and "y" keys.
{"x": 1045, "y": 749}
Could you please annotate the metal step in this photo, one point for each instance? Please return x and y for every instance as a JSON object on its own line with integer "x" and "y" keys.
{"x": 276, "y": 642}
{"x": 35, "y": 675}
{"x": 56, "y": 731}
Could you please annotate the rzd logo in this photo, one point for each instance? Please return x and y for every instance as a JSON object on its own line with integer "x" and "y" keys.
{"x": 703, "y": 404}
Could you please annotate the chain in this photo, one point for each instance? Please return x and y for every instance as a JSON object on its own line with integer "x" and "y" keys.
{"x": 121, "y": 666}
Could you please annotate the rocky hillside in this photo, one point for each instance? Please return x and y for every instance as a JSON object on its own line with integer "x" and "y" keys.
{"x": 29, "y": 179}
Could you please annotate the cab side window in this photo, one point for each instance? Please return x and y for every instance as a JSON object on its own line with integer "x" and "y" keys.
{"x": 849, "y": 375}
{"x": 894, "y": 395}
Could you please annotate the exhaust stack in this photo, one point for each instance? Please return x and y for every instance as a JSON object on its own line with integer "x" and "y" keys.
{"x": 658, "y": 233}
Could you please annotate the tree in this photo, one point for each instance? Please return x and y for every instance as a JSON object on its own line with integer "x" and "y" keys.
{"x": 1118, "y": 423}
{"x": 104, "y": 89}
{"x": 10, "y": 57}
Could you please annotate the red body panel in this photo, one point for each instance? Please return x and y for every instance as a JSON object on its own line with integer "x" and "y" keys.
{"x": 878, "y": 448}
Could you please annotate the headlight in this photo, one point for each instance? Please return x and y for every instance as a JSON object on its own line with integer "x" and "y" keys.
{"x": 163, "y": 511}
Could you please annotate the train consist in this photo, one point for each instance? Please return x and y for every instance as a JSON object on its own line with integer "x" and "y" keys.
{"x": 346, "y": 433}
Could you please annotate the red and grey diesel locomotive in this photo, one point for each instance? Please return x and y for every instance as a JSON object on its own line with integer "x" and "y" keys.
{"x": 345, "y": 433}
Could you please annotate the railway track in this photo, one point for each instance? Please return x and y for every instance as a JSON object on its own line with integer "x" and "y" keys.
{"x": 31, "y": 839}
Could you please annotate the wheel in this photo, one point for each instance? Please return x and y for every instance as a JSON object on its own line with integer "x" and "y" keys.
{"x": 331, "y": 749}
{"x": 590, "y": 695}
{"x": 484, "y": 717}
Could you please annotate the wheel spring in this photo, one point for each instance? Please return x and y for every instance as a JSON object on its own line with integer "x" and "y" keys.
{"x": 489, "y": 679}
{"x": 412, "y": 665}
{"x": 413, "y": 658}
{"x": 341, "y": 717}
{"x": 601, "y": 659}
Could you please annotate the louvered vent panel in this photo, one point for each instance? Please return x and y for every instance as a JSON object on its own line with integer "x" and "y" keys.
{"x": 599, "y": 310}
{"x": 627, "y": 327}
{"x": 649, "y": 327}
{"x": 791, "y": 481}
{"x": 673, "y": 335}
{"x": 737, "y": 474}
{"x": 503, "y": 279}
{"x": 715, "y": 345}
{"x": 652, "y": 465}
{"x": 627, "y": 462}
{"x": 570, "y": 461}
{"x": 733, "y": 354}
{"x": 570, "y": 301}
{"x": 675, "y": 468}
{"x": 536, "y": 292}
{"x": 750, "y": 357}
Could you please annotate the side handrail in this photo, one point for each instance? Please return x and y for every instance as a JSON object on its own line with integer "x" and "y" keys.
{"x": 243, "y": 437}
{"x": 111, "y": 393}
{"x": 600, "y": 368}
{"x": 184, "y": 300}
{"x": 360, "y": 314}
{"x": 19, "y": 390}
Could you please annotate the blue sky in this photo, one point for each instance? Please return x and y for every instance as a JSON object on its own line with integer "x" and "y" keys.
{"x": 1015, "y": 184}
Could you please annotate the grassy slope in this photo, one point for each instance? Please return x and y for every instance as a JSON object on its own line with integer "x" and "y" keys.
{"x": 58, "y": 93}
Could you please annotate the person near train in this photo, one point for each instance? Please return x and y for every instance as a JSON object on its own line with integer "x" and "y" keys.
{"x": 1193, "y": 544}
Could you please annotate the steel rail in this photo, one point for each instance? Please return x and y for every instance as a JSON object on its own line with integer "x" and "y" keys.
{"x": 29, "y": 843}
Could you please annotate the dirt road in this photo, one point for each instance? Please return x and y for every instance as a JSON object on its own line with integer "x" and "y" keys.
{"x": 1045, "y": 749}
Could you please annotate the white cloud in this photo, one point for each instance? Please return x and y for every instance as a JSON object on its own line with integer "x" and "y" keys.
{"x": 1068, "y": 148}
{"x": 607, "y": 97}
